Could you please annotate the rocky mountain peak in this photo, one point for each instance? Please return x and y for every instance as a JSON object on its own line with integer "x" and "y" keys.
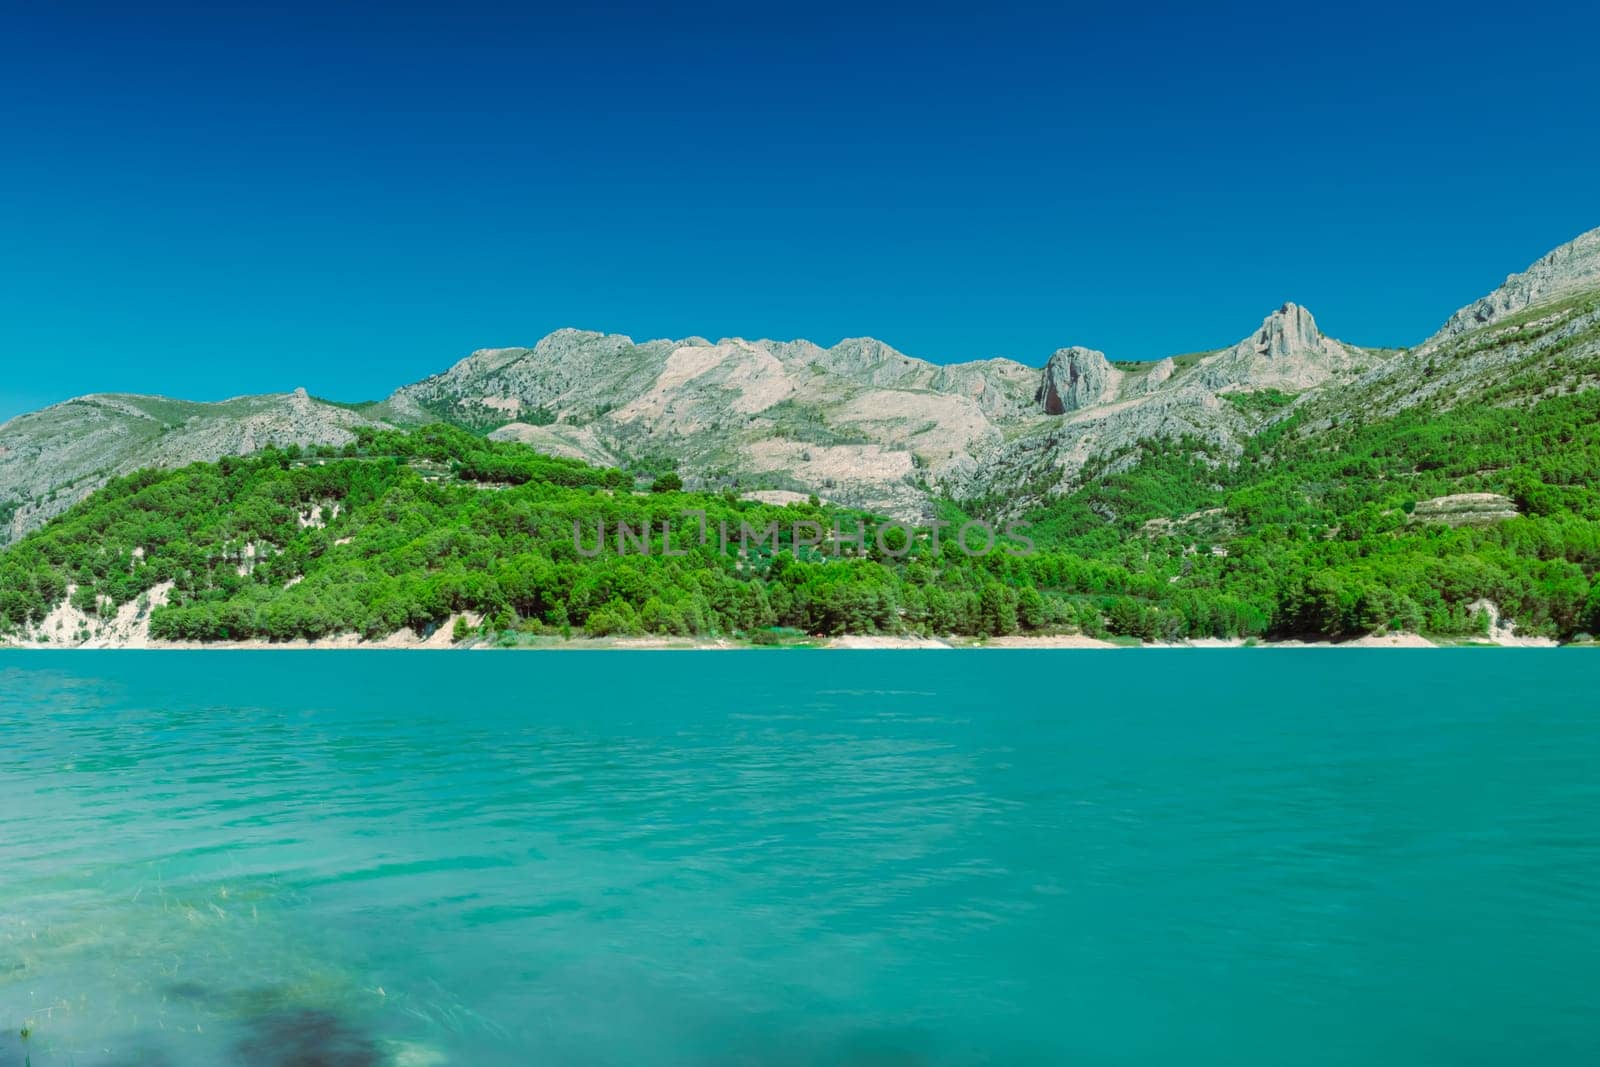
{"x": 867, "y": 351}
{"x": 1571, "y": 268}
{"x": 1077, "y": 378}
{"x": 570, "y": 334}
{"x": 868, "y": 361}
{"x": 1288, "y": 332}
{"x": 1287, "y": 352}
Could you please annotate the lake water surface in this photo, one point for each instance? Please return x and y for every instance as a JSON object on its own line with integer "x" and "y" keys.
{"x": 1240, "y": 857}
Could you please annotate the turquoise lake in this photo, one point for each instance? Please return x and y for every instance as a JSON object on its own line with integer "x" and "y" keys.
{"x": 1232, "y": 857}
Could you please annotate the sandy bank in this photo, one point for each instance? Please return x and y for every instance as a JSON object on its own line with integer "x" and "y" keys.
{"x": 1047, "y": 641}
{"x": 1399, "y": 640}
{"x": 883, "y": 641}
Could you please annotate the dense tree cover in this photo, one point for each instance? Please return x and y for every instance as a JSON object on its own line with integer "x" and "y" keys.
{"x": 667, "y": 483}
{"x": 408, "y": 529}
{"x": 1303, "y": 535}
{"x": 1319, "y": 531}
{"x": 1259, "y": 401}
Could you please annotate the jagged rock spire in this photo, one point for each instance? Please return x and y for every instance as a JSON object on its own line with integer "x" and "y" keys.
{"x": 1288, "y": 332}
{"x": 1287, "y": 351}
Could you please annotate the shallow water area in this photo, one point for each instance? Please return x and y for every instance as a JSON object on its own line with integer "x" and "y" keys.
{"x": 1224, "y": 856}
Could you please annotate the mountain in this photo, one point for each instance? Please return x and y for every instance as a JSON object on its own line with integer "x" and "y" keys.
{"x": 1103, "y": 410}
{"x": 1572, "y": 269}
{"x": 859, "y": 424}
{"x": 1288, "y": 352}
{"x": 1289, "y": 485}
{"x": 1535, "y": 337}
{"x": 1472, "y": 523}
{"x": 52, "y": 458}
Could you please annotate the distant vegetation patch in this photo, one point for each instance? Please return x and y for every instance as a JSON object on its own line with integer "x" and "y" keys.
{"x": 1260, "y": 401}
{"x": 800, "y": 423}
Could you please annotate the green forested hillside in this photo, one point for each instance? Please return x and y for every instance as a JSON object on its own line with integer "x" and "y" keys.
{"x": 421, "y": 526}
{"x": 1323, "y": 533}
{"x": 1305, "y": 535}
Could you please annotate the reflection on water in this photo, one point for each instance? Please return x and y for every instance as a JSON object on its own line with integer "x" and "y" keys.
{"x": 882, "y": 858}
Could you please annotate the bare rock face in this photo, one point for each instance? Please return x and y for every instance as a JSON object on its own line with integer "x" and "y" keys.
{"x": 859, "y": 423}
{"x": 575, "y": 373}
{"x": 1288, "y": 352}
{"x": 1570, "y": 269}
{"x": 1158, "y": 375}
{"x": 1286, "y": 333}
{"x": 1077, "y": 378}
{"x": 1553, "y": 342}
{"x": 868, "y": 361}
{"x": 1002, "y": 388}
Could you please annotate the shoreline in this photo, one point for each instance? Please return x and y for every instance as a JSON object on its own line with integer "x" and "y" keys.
{"x": 440, "y": 641}
{"x": 130, "y": 629}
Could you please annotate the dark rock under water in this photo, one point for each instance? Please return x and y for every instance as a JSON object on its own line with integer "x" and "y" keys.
{"x": 306, "y": 1039}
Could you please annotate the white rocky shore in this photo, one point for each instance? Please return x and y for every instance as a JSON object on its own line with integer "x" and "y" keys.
{"x": 68, "y": 627}
{"x": 441, "y": 640}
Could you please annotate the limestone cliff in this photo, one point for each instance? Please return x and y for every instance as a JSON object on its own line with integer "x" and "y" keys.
{"x": 1076, "y": 378}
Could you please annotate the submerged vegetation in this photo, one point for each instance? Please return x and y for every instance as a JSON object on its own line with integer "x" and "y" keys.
{"x": 1316, "y": 535}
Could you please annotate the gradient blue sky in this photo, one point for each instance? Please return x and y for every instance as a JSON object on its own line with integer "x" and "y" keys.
{"x": 204, "y": 202}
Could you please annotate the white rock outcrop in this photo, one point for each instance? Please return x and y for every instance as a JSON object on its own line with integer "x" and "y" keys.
{"x": 1288, "y": 352}
{"x": 1077, "y": 378}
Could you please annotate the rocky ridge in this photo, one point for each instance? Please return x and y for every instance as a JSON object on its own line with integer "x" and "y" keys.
{"x": 1572, "y": 268}
{"x": 1539, "y": 336}
{"x": 858, "y": 423}
{"x": 861, "y": 423}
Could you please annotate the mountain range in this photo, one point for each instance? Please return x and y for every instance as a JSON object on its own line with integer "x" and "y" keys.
{"x": 857, "y": 424}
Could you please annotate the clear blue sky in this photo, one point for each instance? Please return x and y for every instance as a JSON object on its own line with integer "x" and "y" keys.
{"x": 203, "y": 202}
